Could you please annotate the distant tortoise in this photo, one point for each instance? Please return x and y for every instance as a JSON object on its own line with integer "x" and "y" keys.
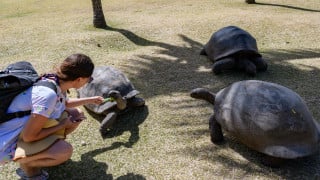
{"x": 232, "y": 48}
{"x": 250, "y": 1}
{"x": 266, "y": 117}
{"x": 111, "y": 84}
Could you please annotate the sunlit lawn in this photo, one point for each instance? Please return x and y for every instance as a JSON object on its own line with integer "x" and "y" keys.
{"x": 156, "y": 44}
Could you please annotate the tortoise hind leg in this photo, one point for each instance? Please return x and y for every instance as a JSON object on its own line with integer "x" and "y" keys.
{"x": 107, "y": 123}
{"x": 273, "y": 162}
{"x": 244, "y": 63}
{"x": 260, "y": 63}
{"x": 215, "y": 131}
{"x": 135, "y": 102}
{"x": 247, "y": 66}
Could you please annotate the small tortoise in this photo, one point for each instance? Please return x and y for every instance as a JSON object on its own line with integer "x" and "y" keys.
{"x": 232, "y": 48}
{"x": 266, "y": 117}
{"x": 110, "y": 83}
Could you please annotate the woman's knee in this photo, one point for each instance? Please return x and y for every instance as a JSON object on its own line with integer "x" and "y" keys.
{"x": 61, "y": 150}
{"x": 58, "y": 153}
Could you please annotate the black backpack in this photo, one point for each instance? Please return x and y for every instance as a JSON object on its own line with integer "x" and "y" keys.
{"x": 14, "y": 79}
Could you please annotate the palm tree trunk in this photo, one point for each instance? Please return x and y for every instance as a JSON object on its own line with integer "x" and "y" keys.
{"x": 98, "y": 16}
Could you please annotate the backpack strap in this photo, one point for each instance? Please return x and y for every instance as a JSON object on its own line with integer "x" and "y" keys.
{"x": 20, "y": 114}
{"x": 48, "y": 84}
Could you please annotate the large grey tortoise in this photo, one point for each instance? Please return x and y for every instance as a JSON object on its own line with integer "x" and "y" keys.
{"x": 111, "y": 84}
{"x": 232, "y": 48}
{"x": 266, "y": 117}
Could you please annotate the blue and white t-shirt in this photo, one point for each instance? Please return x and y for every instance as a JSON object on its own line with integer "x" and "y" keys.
{"x": 41, "y": 100}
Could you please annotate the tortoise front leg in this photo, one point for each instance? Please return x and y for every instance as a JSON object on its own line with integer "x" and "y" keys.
{"x": 223, "y": 64}
{"x": 273, "y": 162}
{"x": 203, "y": 52}
{"x": 135, "y": 102}
{"x": 215, "y": 131}
{"x": 107, "y": 122}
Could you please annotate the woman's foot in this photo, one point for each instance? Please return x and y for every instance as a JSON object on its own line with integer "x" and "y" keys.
{"x": 42, "y": 176}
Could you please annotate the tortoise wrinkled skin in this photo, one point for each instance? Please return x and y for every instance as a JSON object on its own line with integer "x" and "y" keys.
{"x": 110, "y": 82}
{"x": 266, "y": 117}
{"x": 232, "y": 48}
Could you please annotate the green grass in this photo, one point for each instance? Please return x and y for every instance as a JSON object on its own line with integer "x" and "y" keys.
{"x": 156, "y": 44}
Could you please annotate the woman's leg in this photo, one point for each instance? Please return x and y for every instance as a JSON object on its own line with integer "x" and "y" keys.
{"x": 56, "y": 154}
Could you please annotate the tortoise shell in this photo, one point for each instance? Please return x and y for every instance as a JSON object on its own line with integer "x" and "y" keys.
{"x": 267, "y": 117}
{"x": 105, "y": 79}
{"x": 229, "y": 41}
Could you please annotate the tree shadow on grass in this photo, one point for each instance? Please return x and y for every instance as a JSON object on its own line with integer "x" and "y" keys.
{"x": 301, "y": 168}
{"x": 89, "y": 168}
{"x": 293, "y": 54}
{"x": 174, "y": 68}
{"x": 305, "y": 83}
{"x": 287, "y": 6}
{"x": 179, "y": 68}
{"x": 137, "y": 40}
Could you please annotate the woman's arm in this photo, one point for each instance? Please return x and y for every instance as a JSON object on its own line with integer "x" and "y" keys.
{"x": 34, "y": 130}
{"x": 74, "y": 102}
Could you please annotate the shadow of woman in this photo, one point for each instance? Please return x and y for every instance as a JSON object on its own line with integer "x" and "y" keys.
{"x": 88, "y": 167}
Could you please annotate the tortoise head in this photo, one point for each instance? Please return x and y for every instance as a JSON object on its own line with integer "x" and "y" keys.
{"x": 121, "y": 102}
{"x": 204, "y": 94}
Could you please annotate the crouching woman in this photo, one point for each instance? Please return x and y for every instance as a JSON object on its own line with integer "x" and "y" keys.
{"x": 37, "y": 140}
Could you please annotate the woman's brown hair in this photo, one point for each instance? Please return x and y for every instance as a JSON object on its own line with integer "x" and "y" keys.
{"x": 75, "y": 66}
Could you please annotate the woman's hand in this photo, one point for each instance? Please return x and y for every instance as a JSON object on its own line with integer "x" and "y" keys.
{"x": 68, "y": 122}
{"x": 75, "y": 116}
{"x": 96, "y": 100}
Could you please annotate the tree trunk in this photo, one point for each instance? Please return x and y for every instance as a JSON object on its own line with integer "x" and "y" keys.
{"x": 250, "y": 1}
{"x": 98, "y": 16}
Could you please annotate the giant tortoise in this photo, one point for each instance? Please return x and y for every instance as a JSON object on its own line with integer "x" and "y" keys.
{"x": 250, "y": 1}
{"x": 118, "y": 91}
{"x": 232, "y": 48}
{"x": 266, "y": 117}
